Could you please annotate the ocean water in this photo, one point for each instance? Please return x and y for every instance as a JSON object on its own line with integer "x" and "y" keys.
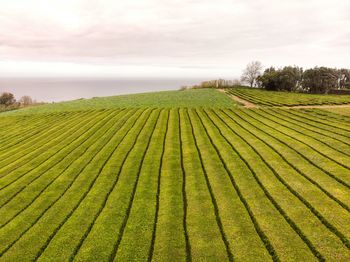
{"x": 63, "y": 89}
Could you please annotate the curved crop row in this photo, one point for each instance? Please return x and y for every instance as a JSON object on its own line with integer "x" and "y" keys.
{"x": 18, "y": 134}
{"x": 267, "y": 193}
{"x": 23, "y": 142}
{"x": 40, "y": 184}
{"x": 319, "y": 131}
{"x": 301, "y": 151}
{"x": 44, "y": 142}
{"x": 79, "y": 181}
{"x": 260, "y": 232}
{"x": 273, "y": 98}
{"x": 321, "y": 217}
{"x": 292, "y": 207}
{"x": 44, "y": 160}
{"x": 324, "y": 149}
{"x": 160, "y": 184}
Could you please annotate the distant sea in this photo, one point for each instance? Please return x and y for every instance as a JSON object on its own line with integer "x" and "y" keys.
{"x": 62, "y": 89}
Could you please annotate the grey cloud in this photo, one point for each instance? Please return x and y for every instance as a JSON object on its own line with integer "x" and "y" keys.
{"x": 183, "y": 33}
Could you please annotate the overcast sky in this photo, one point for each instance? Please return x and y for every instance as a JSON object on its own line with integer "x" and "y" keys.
{"x": 169, "y": 38}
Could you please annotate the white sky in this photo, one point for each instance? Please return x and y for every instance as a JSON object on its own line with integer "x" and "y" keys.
{"x": 169, "y": 38}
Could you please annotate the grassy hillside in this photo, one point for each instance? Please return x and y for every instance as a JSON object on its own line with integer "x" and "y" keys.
{"x": 271, "y": 98}
{"x": 170, "y": 183}
{"x": 165, "y": 99}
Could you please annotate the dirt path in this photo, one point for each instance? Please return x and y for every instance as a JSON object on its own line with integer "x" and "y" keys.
{"x": 245, "y": 103}
{"x": 248, "y": 104}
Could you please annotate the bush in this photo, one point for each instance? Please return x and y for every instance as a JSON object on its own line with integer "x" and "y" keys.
{"x": 318, "y": 80}
{"x": 7, "y": 99}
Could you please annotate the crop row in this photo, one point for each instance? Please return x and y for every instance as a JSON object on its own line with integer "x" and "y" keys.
{"x": 271, "y": 98}
{"x": 191, "y": 184}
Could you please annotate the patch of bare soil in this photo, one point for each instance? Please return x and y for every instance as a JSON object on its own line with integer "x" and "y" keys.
{"x": 245, "y": 103}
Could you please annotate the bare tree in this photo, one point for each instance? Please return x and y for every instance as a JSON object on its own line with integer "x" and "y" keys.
{"x": 26, "y": 100}
{"x": 251, "y": 73}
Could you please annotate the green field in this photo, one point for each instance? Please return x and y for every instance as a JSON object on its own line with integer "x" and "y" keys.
{"x": 163, "y": 99}
{"x": 273, "y": 98}
{"x": 156, "y": 179}
{"x": 340, "y": 111}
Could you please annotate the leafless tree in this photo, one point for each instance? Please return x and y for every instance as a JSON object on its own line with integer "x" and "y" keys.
{"x": 26, "y": 100}
{"x": 251, "y": 73}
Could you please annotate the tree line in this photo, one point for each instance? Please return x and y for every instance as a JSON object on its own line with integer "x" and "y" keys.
{"x": 217, "y": 83}
{"x": 9, "y": 102}
{"x": 317, "y": 80}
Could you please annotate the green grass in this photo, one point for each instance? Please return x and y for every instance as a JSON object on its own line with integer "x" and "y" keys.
{"x": 164, "y": 99}
{"x": 340, "y": 111}
{"x": 174, "y": 183}
{"x": 272, "y": 98}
